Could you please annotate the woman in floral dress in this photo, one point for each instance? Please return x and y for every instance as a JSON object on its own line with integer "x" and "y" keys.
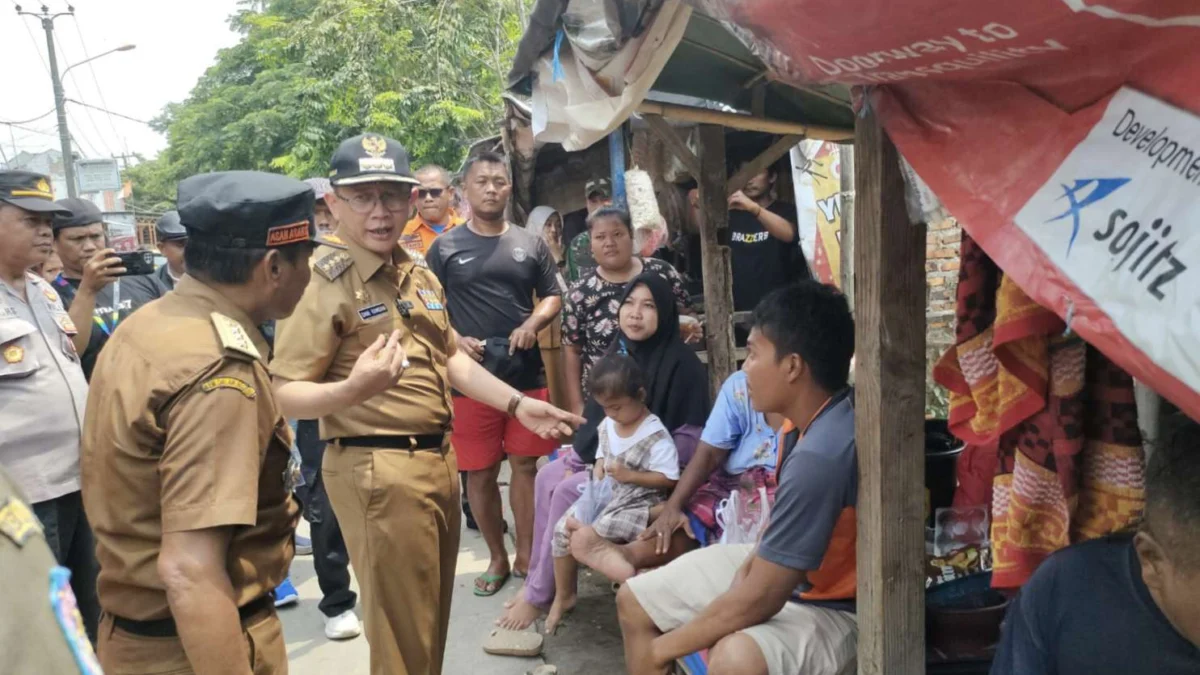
{"x": 591, "y": 304}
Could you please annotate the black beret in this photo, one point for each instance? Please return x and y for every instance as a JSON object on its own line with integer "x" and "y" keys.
{"x": 370, "y": 158}
{"x": 82, "y": 213}
{"x": 246, "y": 209}
{"x": 29, "y": 191}
{"x": 169, "y": 228}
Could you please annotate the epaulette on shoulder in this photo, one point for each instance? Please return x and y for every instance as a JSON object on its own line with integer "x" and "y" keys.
{"x": 332, "y": 241}
{"x": 234, "y": 339}
{"x": 333, "y": 264}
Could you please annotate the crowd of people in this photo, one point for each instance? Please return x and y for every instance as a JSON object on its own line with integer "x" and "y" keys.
{"x": 339, "y": 349}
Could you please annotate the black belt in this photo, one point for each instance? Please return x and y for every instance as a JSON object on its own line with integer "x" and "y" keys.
{"x": 163, "y": 628}
{"x": 417, "y": 442}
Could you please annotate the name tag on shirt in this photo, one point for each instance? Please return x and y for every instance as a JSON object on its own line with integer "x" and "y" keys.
{"x": 368, "y": 313}
{"x": 7, "y": 312}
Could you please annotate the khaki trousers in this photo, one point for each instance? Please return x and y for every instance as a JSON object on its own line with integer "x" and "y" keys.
{"x": 123, "y": 653}
{"x": 399, "y": 512}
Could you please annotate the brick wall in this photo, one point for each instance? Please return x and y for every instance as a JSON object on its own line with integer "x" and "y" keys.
{"x": 941, "y": 279}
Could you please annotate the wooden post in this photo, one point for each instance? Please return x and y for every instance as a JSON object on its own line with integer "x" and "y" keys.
{"x": 846, "y": 157}
{"x": 890, "y": 379}
{"x": 718, "y": 271}
{"x": 766, "y": 158}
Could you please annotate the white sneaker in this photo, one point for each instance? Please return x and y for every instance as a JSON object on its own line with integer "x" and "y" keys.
{"x": 343, "y": 626}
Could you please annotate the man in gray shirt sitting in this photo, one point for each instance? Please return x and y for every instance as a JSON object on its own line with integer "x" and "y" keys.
{"x": 785, "y": 606}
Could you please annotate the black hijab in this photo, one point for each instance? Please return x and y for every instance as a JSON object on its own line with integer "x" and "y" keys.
{"x": 676, "y": 381}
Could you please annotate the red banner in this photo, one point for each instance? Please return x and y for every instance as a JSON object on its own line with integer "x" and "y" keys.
{"x": 1077, "y": 118}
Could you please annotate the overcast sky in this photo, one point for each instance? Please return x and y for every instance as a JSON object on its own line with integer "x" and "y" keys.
{"x": 177, "y": 40}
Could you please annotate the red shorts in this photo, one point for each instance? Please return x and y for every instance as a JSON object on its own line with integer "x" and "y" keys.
{"x": 482, "y": 435}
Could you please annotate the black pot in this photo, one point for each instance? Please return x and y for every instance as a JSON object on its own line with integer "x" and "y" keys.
{"x": 942, "y": 449}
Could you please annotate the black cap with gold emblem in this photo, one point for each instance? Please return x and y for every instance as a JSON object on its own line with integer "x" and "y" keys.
{"x": 370, "y": 158}
{"x": 247, "y": 209}
{"x": 29, "y": 191}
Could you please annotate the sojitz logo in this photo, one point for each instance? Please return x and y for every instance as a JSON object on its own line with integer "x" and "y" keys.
{"x": 1101, "y": 188}
{"x": 1145, "y": 253}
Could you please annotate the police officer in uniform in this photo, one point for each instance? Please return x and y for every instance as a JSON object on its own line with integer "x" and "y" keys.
{"x": 187, "y": 470}
{"x": 388, "y": 468}
{"x": 42, "y": 389}
{"x": 172, "y": 241}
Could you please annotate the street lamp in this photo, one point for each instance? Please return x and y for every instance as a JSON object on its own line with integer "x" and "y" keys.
{"x": 122, "y": 48}
{"x": 64, "y": 136}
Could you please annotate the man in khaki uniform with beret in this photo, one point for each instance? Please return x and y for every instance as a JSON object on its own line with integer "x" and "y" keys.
{"x": 389, "y": 469}
{"x": 187, "y": 471}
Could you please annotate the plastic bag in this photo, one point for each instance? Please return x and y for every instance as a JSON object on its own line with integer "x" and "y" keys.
{"x": 740, "y": 519}
{"x": 594, "y": 495}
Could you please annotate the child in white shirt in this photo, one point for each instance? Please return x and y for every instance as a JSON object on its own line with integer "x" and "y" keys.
{"x": 636, "y": 452}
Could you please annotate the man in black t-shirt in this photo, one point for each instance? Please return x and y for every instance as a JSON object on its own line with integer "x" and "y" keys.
{"x": 491, "y": 270}
{"x": 763, "y": 244}
{"x": 1123, "y": 604}
{"x": 92, "y": 289}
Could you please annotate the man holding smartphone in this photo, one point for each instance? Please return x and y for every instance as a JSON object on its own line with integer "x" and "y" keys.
{"x": 93, "y": 285}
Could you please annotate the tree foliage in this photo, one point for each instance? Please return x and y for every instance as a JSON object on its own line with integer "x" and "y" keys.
{"x": 310, "y": 73}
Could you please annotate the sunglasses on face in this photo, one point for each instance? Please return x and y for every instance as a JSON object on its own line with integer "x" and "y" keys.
{"x": 430, "y": 192}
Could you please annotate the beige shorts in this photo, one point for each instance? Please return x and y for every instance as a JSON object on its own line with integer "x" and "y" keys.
{"x": 800, "y": 639}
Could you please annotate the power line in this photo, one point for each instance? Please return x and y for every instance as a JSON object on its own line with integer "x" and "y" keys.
{"x": 36, "y": 48}
{"x": 95, "y": 80}
{"x": 33, "y": 131}
{"x": 88, "y": 113}
{"x": 117, "y": 114}
{"x": 79, "y": 144}
{"x": 32, "y": 119}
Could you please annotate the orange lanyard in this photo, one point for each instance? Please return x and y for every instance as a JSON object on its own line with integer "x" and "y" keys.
{"x": 783, "y": 439}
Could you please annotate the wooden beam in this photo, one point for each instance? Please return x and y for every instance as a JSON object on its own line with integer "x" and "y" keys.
{"x": 768, "y": 157}
{"x": 846, "y": 157}
{"x": 678, "y": 147}
{"x": 718, "y": 271}
{"x": 889, "y": 411}
{"x": 758, "y": 100}
{"x": 744, "y": 122}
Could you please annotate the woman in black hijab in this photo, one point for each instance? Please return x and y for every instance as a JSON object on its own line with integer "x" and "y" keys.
{"x": 677, "y": 383}
{"x": 676, "y": 391}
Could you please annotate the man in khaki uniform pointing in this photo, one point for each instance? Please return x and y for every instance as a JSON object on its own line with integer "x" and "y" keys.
{"x": 389, "y": 469}
{"x": 187, "y": 477}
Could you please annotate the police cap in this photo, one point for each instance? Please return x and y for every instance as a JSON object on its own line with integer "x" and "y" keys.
{"x": 82, "y": 213}
{"x": 29, "y": 191}
{"x": 169, "y": 228}
{"x": 246, "y": 209}
{"x": 370, "y": 158}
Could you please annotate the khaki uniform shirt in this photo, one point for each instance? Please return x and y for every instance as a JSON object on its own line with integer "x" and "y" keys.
{"x": 353, "y": 298}
{"x": 183, "y": 433}
{"x": 42, "y": 391}
{"x": 40, "y": 628}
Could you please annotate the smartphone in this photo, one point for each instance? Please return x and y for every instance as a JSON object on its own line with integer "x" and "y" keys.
{"x": 137, "y": 263}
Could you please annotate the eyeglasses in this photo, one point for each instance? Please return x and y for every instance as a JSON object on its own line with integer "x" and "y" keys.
{"x": 430, "y": 192}
{"x": 363, "y": 204}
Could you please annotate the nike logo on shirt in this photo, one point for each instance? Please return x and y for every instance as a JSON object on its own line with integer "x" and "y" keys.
{"x": 464, "y": 261}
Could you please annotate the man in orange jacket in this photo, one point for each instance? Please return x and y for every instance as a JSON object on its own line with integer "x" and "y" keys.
{"x": 434, "y": 213}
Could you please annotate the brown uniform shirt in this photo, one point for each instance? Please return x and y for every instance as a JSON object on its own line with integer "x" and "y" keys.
{"x": 353, "y": 298}
{"x": 40, "y": 627}
{"x": 183, "y": 433}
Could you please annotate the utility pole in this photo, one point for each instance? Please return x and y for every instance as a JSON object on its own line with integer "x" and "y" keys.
{"x": 60, "y": 104}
